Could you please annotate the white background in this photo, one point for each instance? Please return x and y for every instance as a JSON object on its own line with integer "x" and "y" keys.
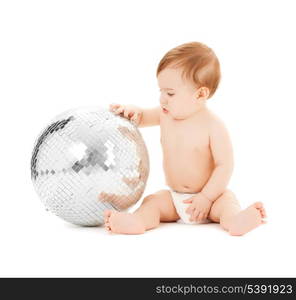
{"x": 56, "y": 55}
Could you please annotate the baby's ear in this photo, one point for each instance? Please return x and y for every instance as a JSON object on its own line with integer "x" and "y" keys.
{"x": 202, "y": 93}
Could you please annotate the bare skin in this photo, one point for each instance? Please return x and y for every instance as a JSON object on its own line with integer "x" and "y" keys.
{"x": 197, "y": 159}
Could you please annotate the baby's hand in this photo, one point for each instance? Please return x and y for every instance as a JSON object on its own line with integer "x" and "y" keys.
{"x": 130, "y": 112}
{"x": 199, "y": 208}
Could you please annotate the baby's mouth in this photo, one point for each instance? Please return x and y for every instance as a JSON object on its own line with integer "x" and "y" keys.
{"x": 165, "y": 110}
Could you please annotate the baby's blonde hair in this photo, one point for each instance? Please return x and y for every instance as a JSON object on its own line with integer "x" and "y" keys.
{"x": 199, "y": 63}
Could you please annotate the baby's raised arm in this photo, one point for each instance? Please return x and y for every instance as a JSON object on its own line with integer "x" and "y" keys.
{"x": 150, "y": 117}
{"x": 141, "y": 117}
{"x": 222, "y": 152}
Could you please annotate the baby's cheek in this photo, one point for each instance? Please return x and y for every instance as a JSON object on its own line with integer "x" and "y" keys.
{"x": 178, "y": 113}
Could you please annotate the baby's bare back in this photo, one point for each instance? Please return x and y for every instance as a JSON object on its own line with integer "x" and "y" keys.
{"x": 187, "y": 158}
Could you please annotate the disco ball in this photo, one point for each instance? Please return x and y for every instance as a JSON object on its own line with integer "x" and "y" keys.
{"x": 88, "y": 160}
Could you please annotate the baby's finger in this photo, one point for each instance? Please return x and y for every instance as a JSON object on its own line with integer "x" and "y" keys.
{"x": 128, "y": 114}
{"x": 113, "y": 106}
{"x": 135, "y": 121}
{"x": 119, "y": 110}
{"x": 196, "y": 214}
{"x": 134, "y": 117}
{"x": 206, "y": 215}
{"x": 189, "y": 210}
{"x": 193, "y": 215}
{"x": 187, "y": 201}
{"x": 201, "y": 217}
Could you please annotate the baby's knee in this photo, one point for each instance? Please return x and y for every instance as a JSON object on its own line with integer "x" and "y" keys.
{"x": 226, "y": 195}
{"x": 227, "y": 198}
{"x": 150, "y": 198}
{"x": 154, "y": 199}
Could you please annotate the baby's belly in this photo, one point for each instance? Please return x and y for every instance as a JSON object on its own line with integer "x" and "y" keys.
{"x": 187, "y": 172}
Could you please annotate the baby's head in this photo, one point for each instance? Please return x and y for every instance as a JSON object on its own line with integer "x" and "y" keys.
{"x": 187, "y": 75}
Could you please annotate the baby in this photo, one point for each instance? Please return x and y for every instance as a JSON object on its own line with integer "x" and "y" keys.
{"x": 197, "y": 151}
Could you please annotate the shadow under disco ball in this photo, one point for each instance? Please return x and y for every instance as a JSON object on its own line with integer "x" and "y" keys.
{"x": 88, "y": 160}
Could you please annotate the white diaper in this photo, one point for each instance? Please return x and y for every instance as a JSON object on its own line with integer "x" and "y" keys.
{"x": 181, "y": 207}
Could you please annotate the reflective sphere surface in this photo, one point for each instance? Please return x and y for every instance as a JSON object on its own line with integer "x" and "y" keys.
{"x": 88, "y": 160}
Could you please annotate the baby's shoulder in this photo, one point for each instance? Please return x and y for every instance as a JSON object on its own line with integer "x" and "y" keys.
{"x": 214, "y": 121}
{"x": 212, "y": 117}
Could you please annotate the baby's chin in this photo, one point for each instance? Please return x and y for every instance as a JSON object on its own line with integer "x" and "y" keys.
{"x": 179, "y": 116}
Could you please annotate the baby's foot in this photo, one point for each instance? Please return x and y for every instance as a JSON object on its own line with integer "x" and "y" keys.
{"x": 247, "y": 219}
{"x": 120, "y": 222}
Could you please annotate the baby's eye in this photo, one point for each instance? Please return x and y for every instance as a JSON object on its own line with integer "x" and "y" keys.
{"x": 170, "y": 94}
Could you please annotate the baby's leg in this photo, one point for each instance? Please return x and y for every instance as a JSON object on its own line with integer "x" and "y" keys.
{"x": 155, "y": 208}
{"x": 227, "y": 211}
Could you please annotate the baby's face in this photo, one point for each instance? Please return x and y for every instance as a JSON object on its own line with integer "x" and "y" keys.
{"x": 178, "y": 97}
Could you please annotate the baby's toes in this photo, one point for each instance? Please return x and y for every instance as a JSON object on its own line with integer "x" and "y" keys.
{"x": 107, "y": 214}
{"x": 263, "y": 212}
{"x": 258, "y": 205}
{"x": 107, "y": 226}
